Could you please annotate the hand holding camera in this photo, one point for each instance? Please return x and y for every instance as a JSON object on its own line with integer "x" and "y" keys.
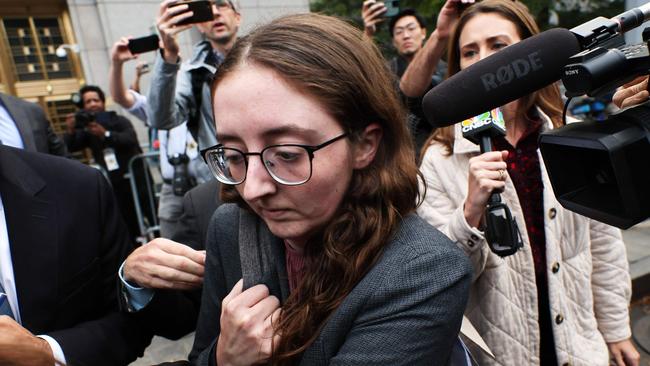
{"x": 96, "y": 129}
{"x": 176, "y": 16}
{"x": 91, "y": 122}
{"x": 633, "y": 93}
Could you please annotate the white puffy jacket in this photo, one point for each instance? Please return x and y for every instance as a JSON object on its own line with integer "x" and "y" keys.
{"x": 589, "y": 283}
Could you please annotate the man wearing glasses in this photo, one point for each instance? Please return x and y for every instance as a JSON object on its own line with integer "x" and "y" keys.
{"x": 419, "y": 65}
{"x": 157, "y": 276}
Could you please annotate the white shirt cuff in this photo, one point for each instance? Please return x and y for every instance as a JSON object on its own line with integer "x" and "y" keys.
{"x": 59, "y": 357}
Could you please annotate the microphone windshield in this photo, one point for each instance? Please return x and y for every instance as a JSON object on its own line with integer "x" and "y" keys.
{"x": 510, "y": 74}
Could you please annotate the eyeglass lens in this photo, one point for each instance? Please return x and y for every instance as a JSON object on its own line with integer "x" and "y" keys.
{"x": 287, "y": 164}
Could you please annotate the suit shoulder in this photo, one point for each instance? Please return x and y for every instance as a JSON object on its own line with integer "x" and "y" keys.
{"x": 417, "y": 238}
{"x": 227, "y": 213}
{"x": 419, "y": 233}
{"x": 64, "y": 169}
{"x": 225, "y": 220}
{"x": 27, "y": 107}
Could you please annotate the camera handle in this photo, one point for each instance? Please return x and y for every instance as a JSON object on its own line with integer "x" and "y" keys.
{"x": 501, "y": 230}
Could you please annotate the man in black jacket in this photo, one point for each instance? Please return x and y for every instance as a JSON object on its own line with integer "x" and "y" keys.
{"x": 408, "y": 31}
{"x": 113, "y": 142}
{"x": 61, "y": 243}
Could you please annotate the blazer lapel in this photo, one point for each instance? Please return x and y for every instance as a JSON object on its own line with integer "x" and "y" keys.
{"x": 262, "y": 256}
{"x": 22, "y": 122}
{"x": 32, "y": 230}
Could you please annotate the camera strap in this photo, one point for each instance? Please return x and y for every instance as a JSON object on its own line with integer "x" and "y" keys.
{"x": 167, "y": 147}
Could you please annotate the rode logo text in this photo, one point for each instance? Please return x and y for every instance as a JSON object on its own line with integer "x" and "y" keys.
{"x": 514, "y": 70}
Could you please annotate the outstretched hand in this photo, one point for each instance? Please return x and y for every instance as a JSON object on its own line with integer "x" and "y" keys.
{"x": 449, "y": 15}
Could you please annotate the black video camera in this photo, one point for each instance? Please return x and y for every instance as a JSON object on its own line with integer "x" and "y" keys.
{"x": 83, "y": 118}
{"x": 599, "y": 169}
{"x": 601, "y": 70}
{"x": 181, "y": 182}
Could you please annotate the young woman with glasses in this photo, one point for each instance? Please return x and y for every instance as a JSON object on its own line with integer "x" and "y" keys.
{"x": 322, "y": 260}
{"x": 563, "y": 298}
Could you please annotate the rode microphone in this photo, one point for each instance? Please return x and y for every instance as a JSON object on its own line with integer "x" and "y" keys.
{"x": 521, "y": 68}
{"x": 501, "y": 231}
{"x": 508, "y": 75}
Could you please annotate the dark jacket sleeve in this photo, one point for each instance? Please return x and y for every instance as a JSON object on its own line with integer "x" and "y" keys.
{"x": 122, "y": 134}
{"x": 113, "y": 338}
{"x": 76, "y": 140}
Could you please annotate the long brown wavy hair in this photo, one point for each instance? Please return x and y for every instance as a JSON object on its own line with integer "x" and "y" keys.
{"x": 329, "y": 59}
{"x": 547, "y": 99}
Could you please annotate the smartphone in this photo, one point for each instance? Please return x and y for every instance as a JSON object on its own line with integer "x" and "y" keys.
{"x": 392, "y": 8}
{"x": 202, "y": 10}
{"x": 462, "y": 6}
{"x": 143, "y": 44}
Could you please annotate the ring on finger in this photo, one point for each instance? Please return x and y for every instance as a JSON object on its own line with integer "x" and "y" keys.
{"x": 502, "y": 174}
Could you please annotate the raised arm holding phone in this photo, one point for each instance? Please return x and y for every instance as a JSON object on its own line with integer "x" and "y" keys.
{"x": 414, "y": 82}
{"x": 176, "y": 97}
{"x": 408, "y": 32}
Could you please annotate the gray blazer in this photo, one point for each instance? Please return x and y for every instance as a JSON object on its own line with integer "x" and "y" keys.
{"x": 407, "y": 310}
{"x": 33, "y": 126}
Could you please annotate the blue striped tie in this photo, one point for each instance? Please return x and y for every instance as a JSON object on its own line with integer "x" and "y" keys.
{"x": 5, "y": 309}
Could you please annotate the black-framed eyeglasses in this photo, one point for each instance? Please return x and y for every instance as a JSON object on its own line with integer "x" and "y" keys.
{"x": 288, "y": 164}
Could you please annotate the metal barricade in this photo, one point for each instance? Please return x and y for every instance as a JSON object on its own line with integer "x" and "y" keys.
{"x": 145, "y": 190}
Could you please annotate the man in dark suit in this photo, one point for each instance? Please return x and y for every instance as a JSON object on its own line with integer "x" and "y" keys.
{"x": 32, "y": 130}
{"x": 165, "y": 276}
{"x": 59, "y": 253}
